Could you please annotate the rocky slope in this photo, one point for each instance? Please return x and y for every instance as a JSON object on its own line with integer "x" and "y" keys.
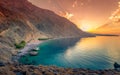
{"x": 17, "y": 69}
{"x": 20, "y": 20}
{"x": 44, "y": 20}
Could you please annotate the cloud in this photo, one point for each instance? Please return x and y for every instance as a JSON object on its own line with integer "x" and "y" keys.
{"x": 74, "y": 4}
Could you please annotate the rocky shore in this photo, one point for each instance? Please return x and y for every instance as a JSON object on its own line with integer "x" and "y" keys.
{"x": 19, "y": 69}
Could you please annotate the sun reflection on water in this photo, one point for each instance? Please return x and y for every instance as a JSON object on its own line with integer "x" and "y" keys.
{"x": 89, "y": 46}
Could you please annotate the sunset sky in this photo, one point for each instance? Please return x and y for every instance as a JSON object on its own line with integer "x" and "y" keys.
{"x": 86, "y": 14}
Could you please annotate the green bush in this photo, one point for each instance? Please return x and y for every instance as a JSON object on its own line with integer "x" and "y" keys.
{"x": 20, "y": 45}
{"x": 43, "y": 38}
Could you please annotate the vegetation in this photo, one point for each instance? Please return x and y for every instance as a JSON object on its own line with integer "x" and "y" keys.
{"x": 43, "y": 38}
{"x": 20, "y": 45}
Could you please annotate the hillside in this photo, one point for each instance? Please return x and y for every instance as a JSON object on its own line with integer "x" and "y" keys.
{"x": 20, "y": 20}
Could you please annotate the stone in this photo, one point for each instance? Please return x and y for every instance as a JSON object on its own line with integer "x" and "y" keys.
{"x": 2, "y": 64}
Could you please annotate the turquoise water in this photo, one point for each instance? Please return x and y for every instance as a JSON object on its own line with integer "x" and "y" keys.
{"x": 92, "y": 53}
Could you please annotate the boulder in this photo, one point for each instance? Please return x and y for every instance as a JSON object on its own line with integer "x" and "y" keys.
{"x": 33, "y": 53}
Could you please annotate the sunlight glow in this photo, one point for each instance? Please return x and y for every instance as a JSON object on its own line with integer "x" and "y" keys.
{"x": 99, "y": 43}
{"x": 86, "y": 26}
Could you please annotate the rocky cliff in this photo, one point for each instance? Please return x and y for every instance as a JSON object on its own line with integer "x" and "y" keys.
{"x": 20, "y": 20}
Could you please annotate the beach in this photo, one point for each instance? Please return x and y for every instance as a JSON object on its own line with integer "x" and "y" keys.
{"x": 21, "y": 52}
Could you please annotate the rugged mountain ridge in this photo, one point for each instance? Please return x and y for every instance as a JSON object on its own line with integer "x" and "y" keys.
{"x": 45, "y": 20}
{"x": 20, "y": 20}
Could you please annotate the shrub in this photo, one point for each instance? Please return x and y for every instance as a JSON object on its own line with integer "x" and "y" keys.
{"x": 43, "y": 38}
{"x": 20, "y": 45}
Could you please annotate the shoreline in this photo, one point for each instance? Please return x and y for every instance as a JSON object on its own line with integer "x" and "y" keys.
{"x": 22, "y": 69}
{"x": 34, "y": 43}
{"x": 28, "y": 47}
{"x": 21, "y": 52}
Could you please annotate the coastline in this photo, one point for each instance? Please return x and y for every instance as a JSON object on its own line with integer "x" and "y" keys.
{"x": 17, "y": 68}
{"x": 28, "y": 47}
{"x": 34, "y": 43}
{"x": 21, "y": 52}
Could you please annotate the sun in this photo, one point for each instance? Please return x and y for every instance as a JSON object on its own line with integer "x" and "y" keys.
{"x": 87, "y": 28}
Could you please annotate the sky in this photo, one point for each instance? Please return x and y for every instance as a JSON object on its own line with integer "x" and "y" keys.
{"x": 86, "y": 14}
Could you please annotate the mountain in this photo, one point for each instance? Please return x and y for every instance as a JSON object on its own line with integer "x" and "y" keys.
{"x": 21, "y": 20}
{"x": 43, "y": 20}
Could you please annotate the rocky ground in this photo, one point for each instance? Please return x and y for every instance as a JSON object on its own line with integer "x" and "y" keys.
{"x": 19, "y": 69}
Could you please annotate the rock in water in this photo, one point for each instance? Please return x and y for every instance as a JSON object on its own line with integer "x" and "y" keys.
{"x": 33, "y": 53}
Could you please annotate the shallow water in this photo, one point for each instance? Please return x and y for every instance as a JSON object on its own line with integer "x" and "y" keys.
{"x": 94, "y": 53}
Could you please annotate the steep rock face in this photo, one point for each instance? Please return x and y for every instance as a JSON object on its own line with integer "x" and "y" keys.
{"x": 20, "y": 20}
{"x": 46, "y": 21}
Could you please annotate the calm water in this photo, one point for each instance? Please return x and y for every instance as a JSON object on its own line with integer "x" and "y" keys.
{"x": 93, "y": 53}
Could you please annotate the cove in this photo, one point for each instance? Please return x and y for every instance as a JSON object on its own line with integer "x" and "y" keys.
{"x": 93, "y": 52}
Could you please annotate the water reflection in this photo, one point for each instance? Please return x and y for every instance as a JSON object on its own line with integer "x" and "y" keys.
{"x": 93, "y": 53}
{"x": 99, "y": 51}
